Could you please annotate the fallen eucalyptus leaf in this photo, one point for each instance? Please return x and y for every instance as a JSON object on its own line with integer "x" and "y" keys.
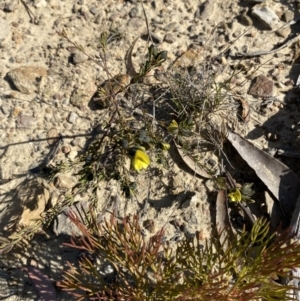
{"x": 191, "y": 163}
{"x": 281, "y": 181}
{"x": 222, "y": 218}
{"x": 128, "y": 61}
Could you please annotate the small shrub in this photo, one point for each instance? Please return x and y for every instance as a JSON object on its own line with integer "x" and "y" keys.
{"x": 151, "y": 270}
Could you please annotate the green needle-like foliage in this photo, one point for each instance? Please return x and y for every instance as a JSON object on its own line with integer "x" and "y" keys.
{"x": 151, "y": 270}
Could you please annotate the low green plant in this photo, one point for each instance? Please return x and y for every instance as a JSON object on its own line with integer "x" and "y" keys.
{"x": 247, "y": 269}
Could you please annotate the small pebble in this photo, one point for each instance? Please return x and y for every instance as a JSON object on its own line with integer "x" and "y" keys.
{"x": 284, "y": 32}
{"x": 93, "y": 10}
{"x": 155, "y": 37}
{"x": 206, "y": 10}
{"x": 65, "y": 149}
{"x": 169, "y": 38}
{"x": 72, "y": 155}
{"x": 262, "y": 86}
{"x": 48, "y": 110}
{"x": 76, "y": 141}
{"x": 170, "y": 26}
{"x": 133, "y": 13}
{"x": 267, "y": 16}
{"x": 192, "y": 28}
{"x": 64, "y": 182}
{"x": 16, "y": 111}
{"x": 289, "y": 82}
{"x": 72, "y": 117}
{"x": 25, "y": 121}
{"x": 287, "y": 16}
{"x": 10, "y": 6}
{"x": 237, "y": 34}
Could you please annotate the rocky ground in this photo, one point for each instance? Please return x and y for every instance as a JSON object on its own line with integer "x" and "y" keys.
{"x": 47, "y": 84}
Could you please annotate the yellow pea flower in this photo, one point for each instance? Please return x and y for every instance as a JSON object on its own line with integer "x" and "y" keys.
{"x": 173, "y": 127}
{"x": 165, "y": 145}
{"x": 140, "y": 160}
{"x": 235, "y": 196}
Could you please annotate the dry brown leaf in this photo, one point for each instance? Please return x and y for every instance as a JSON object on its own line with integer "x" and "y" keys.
{"x": 222, "y": 219}
{"x": 245, "y": 110}
{"x": 192, "y": 164}
{"x": 128, "y": 60}
{"x": 281, "y": 181}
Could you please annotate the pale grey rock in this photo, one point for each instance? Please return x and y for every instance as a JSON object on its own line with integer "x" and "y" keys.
{"x": 284, "y": 32}
{"x": 26, "y": 121}
{"x": 206, "y": 10}
{"x": 83, "y": 94}
{"x": 133, "y": 13}
{"x": 171, "y": 26}
{"x": 266, "y": 16}
{"x": 93, "y": 10}
{"x": 9, "y": 5}
{"x": 79, "y": 57}
{"x": 64, "y": 182}
{"x": 72, "y": 117}
{"x": 4, "y": 31}
{"x": 157, "y": 20}
{"x": 27, "y": 78}
{"x": 156, "y": 38}
{"x": 136, "y": 24}
{"x": 169, "y": 38}
{"x": 63, "y": 225}
{"x": 34, "y": 206}
{"x": 65, "y": 102}
{"x": 288, "y": 16}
